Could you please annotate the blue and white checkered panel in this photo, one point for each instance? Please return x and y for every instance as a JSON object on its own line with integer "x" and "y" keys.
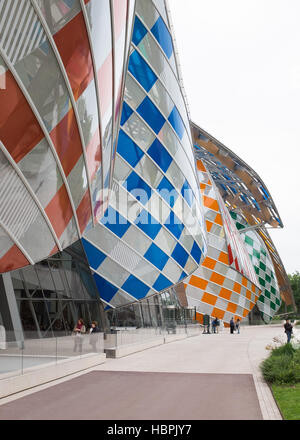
{"x": 152, "y": 236}
{"x": 141, "y": 174}
{"x": 139, "y": 257}
{"x": 132, "y": 120}
{"x": 149, "y": 77}
{"x": 154, "y": 20}
{"x": 152, "y": 45}
{"x": 128, "y": 265}
{"x": 227, "y": 180}
{"x": 141, "y": 126}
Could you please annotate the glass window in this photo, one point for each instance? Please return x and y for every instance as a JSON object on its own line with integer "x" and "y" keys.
{"x": 45, "y": 276}
{"x": 100, "y": 24}
{"x": 125, "y": 256}
{"x": 28, "y": 222}
{"x": 187, "y": 240}
{"x": 163, "y": 36}
{"x": 172, "y": 144}
{"x": 138, "y": 130}
{"x": 41, "y": 67}
{"x": 172, "y": 271}
{"x": 102, "y": 238}
{"x": 121, "y": 299}
{"x": 128, "y": 149}
{"x": 39, "y": 71}
{"x": 36, "y": 249}
{"x": 221, "y": 304}
{"x": 148, "y": 224}
{"x": 31, "y": 279}
{"x": 149, "y": 48}
{"x": 213, "y": 288}
{"x": 56, "y": 275}
{"x": 134, "y": 95}
{"x": 139, "y": 31}
{"x": 121, "y": 169}
{"x": 69, "y": 235}
{"x": 77, "y": 181}
{"x": 46, "y": 308}
{"x": 146, "y": 272}
{"x": 165, "y": 241}
{"x": 75, "y": 283}
{"x": 147, "y": 12}
{"x": 5, "y": 242}
{"x": 56, "y": 15}
{"x": 141, "y": 70}
{"x": 160, "y": 5}
{"x": 149, "y": 171}
{"x": 88, "y": 112}
{"x": 161, "y": 98}
{"x": 109, "y": 269}
{"x": 41, "y": 171}
{"x": 190, "y": 266}
{"x": 136, "y": 239}
{"x": 126, "y": 204}
{"x": 146, "y": 314}
{"x": 119, "y": 13}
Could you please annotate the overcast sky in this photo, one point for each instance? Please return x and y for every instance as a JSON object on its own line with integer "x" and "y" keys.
{"x": 240, "y": 62}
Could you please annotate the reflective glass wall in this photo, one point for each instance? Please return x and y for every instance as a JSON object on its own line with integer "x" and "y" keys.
{"x": 162, "y": 310}
{"x": 53, "y": 294}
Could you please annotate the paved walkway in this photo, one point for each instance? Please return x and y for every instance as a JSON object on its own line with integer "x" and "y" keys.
{"x": 202, "y": 377}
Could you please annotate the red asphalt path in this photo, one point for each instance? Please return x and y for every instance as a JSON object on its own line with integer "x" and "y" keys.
{"x": 131, "y": 395}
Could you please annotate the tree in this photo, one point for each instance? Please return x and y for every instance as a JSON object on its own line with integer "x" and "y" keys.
{"x": 295, "y": 284}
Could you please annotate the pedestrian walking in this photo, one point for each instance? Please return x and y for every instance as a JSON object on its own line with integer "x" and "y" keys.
{"x": 78, "y": 332}
{"x": 93, "y": 335}
{"x": 213, "y": 324}
{"x": 232, "y": 325}
{"x": 288, "y": 328}
{"x": 237, "y": 325}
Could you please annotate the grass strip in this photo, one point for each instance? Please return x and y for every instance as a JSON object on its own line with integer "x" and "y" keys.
{"x": 288, "y": 400}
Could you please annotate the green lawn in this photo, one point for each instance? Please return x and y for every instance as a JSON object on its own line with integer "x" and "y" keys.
{"x": 288, "y": 400}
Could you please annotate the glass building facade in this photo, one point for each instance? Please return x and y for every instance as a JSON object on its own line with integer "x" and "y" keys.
{"x": 52, "y": 294}
{"x": 152, "y": 235}
{"x": 114, "y": 206}
{"x": 225, "y": 285}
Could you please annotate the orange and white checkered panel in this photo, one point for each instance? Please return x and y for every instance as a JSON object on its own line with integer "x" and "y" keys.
{"x": 238, "y": 256}
{"x": 217, "y": 288}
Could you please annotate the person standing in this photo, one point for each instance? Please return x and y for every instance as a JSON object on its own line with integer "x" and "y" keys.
{"x": 237, "y": 325}
{"x": 79, "y": 331}
{"x": 232, "y": 325}
{"x": 288, "y": 328}
{"x": 93, "y": 335}
{"x": 213, "y": 324}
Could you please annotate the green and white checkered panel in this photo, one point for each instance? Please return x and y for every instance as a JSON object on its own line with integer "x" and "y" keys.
{"x": 269, "y": 300}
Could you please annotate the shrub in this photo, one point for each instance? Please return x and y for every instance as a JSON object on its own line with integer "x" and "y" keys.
{"x": 297, "y": 356}
{"x": 282, "y": 366}
{"x": 286, "y": 349}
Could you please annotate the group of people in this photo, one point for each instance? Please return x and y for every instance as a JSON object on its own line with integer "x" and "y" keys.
{"x": 80, "y": 330}
{"x": 235, "y": 325}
